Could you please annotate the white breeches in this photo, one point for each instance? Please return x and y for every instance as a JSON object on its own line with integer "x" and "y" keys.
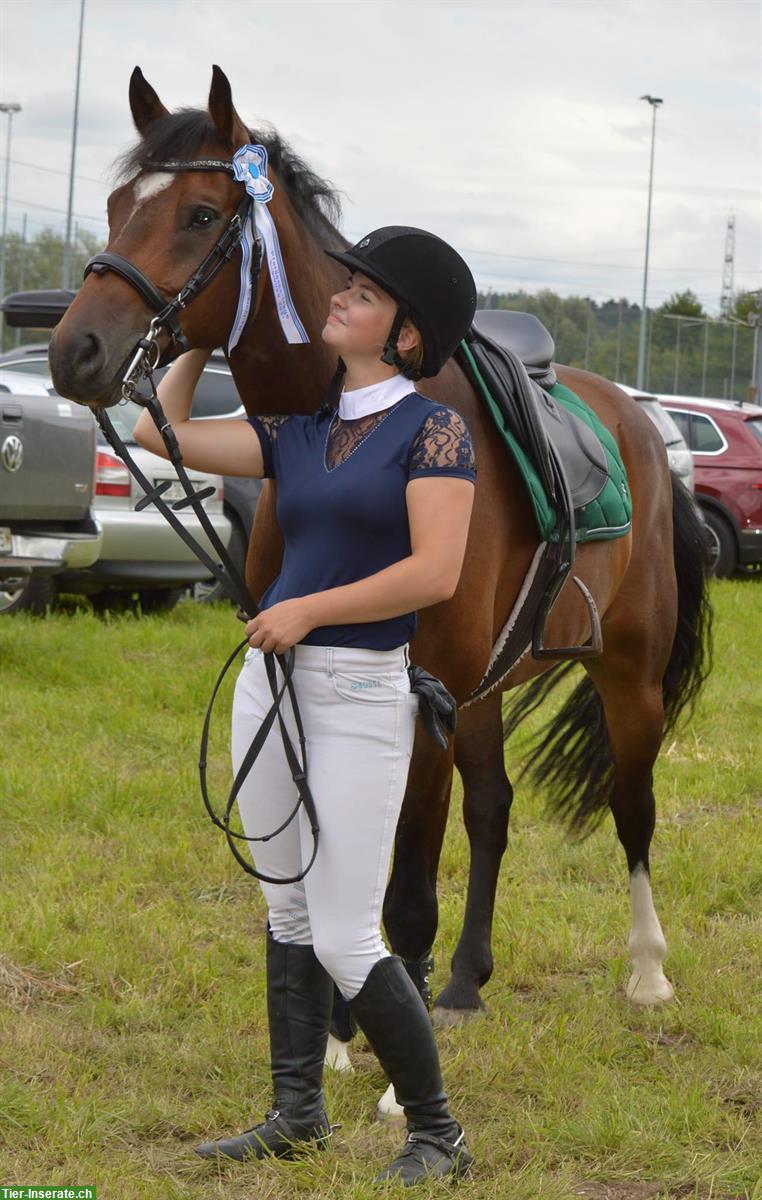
{"x": 358, "y": 715}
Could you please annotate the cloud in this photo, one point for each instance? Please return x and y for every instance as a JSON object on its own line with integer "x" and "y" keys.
{"x": 513, "y": 130}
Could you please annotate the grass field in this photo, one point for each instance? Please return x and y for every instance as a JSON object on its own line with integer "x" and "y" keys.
{"x": 132, "y": 1014}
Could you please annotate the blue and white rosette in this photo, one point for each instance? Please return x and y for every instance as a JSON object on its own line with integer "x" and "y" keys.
{"x": 250, "y": 169}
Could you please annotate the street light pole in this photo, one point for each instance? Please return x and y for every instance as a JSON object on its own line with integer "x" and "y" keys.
{"x": 66, "y": 283}
{"x": 654, "y": 101}
{"x": 10, "y": 109}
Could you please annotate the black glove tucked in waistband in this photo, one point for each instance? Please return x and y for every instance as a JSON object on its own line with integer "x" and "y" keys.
{"x": 436, "y": 707}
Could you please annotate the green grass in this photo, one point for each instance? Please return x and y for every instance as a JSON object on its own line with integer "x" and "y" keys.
{"x": 132, "y": 1014}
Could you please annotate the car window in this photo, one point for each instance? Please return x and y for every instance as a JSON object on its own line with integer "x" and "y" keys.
{"x": 216, "y": 395}
{"x": 123, "y": 417}
{"x": 705, "y": 436}
{"x": 755, "y": 425}
{"x": 683, "y": 421}
{"x": 662, "y": 420}
{"x": 27, "y": 366}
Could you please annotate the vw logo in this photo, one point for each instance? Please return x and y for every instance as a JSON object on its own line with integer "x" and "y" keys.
{"x": 12, "y": 453}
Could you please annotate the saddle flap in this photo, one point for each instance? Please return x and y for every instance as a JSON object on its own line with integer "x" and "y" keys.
{"x": 582, "y": 455}
{"x": 537, "y": 421}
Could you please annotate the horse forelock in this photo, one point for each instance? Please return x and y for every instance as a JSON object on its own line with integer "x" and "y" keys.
{"x": 180, "y": 135}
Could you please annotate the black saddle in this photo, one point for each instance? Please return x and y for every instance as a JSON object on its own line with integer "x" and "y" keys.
{"x": 571, "y": 462}
{"x": 532, "y": 415}
{"x": 523, "y": 335}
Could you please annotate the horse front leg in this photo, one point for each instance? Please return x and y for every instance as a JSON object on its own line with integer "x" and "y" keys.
{"x": 487, "y": 798}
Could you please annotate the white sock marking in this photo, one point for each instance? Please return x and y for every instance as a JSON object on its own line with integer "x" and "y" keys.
{"x": 337, "y": 1055}
{"x": 648, "y": 984}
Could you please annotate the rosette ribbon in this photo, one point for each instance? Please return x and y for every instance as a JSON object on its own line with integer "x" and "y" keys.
{"x": 250, "y": 169}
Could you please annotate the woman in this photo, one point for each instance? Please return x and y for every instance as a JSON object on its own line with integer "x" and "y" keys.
{"x": 374, "y": 501}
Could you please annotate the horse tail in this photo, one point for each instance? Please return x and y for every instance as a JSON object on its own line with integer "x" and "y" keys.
{"x": 570, "y": 757}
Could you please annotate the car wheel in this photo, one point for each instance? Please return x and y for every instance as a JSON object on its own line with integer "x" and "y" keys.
{"x": 159, "y": 600}
{"x": 722, "y": 544}
{"x": 30, "y": 593}
{"x": 212, "y": 590}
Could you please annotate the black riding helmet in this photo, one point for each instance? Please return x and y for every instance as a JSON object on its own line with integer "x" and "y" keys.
{"x": 430, "y": 282}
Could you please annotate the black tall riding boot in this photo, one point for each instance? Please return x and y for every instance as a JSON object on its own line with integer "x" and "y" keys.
{"x": 299, "y": 1002}
{"x": 389, "y": 1010}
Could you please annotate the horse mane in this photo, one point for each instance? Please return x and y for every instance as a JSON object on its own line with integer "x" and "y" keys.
{"x": 180, "y": 134}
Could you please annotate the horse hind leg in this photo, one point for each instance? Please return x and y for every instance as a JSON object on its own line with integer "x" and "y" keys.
{"x": 634, "y": 714}
{"x": 598, "y": 752}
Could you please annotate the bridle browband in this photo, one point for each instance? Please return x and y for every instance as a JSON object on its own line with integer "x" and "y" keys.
{"x": 168, "y": 311}
{"x": 146, "y": 358}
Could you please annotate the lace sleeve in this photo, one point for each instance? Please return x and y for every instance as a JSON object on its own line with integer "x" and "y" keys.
{"x": 442, "y": 446}
{"x": 266, "y": 429}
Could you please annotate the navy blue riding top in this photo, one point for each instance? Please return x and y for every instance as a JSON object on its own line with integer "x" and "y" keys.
{"x": 341, "y": 499}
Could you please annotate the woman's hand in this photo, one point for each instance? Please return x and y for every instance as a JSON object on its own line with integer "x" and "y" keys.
{"x": 280, "y": 627}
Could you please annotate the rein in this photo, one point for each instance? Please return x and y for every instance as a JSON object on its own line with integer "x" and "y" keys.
{"x": 147, "y": 357}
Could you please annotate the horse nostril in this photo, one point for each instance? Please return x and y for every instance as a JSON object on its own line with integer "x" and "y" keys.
{"x": 89, "y": 353}
{"x": 77, "y": 364}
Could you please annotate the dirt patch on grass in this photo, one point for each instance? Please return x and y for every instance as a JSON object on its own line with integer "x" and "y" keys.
{"x": 744, "y": 1093}
{"x": 21, "y": 987}
{"x": 619, "y": 1190}
{"x": 629, "y": 1189}
{"x": 672, "y": 1041}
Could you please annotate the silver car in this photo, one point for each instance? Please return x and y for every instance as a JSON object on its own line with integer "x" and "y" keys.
{"x": 678, "y": 455}
{"x": 140, "y": 552}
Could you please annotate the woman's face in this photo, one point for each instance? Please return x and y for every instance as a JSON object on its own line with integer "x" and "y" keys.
{"x": 359, "y": 318}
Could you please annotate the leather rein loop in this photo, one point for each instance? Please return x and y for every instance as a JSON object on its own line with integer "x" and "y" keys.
{"x": 145, "y": 360}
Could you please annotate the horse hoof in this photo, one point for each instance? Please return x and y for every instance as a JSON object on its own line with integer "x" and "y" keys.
{"x": 652, "y": 988}
{"x": 388, "y": 1110}
{"x": 447, "y": 1018}
{"x": 337, "y": 1055}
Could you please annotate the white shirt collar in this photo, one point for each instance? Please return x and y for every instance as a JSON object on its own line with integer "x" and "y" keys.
{"x": 374, "y": 398}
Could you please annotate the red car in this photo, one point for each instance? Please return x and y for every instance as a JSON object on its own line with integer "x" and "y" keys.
{"x": 725, "y": 439}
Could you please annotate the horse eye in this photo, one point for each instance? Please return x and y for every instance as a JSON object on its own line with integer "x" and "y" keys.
{"x": 202, "y": 218}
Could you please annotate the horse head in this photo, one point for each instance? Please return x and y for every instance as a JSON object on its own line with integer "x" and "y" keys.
{"x": 165, "y": 223}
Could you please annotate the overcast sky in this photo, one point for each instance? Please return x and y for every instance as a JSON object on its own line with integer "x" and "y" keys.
{"x": 512, "y": 129}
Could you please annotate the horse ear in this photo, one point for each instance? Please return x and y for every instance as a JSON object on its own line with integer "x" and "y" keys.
{"x": 230, "y": 128}
{"x": 145, "y": 105}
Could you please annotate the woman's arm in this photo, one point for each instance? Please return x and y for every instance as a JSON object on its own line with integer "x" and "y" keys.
{"x": 221, "y": 446}
{"x": 439, "y": 511}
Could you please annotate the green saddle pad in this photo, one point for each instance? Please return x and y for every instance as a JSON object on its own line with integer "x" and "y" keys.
{"x": 610, "y": 514}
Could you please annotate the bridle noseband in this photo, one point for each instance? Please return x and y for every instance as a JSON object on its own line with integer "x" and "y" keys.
{"x": 147, "y": 357}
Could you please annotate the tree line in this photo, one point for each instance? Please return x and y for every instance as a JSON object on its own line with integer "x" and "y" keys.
{"x": 687, "y": 352}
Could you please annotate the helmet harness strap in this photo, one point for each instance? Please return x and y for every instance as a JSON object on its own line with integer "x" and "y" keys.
{"x": 390, "y": 355}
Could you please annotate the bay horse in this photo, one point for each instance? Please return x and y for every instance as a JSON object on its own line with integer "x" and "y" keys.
{"x": 649, "y": 586}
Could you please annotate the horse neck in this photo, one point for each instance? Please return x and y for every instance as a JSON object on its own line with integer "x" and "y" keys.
{"x": 272, "y": 376}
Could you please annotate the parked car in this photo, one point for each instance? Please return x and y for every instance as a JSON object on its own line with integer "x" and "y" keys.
{"x": 47, "y": 477}
{"x": 725, "y": 439}
{"x": 138, "y": 552}
{"x": 216, "y": 396}
{"x": 141, "y": 553}
{"x": 678, "y": 454}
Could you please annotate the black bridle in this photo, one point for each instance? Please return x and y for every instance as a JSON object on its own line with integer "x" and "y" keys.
{"x": 147, "y": 357}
